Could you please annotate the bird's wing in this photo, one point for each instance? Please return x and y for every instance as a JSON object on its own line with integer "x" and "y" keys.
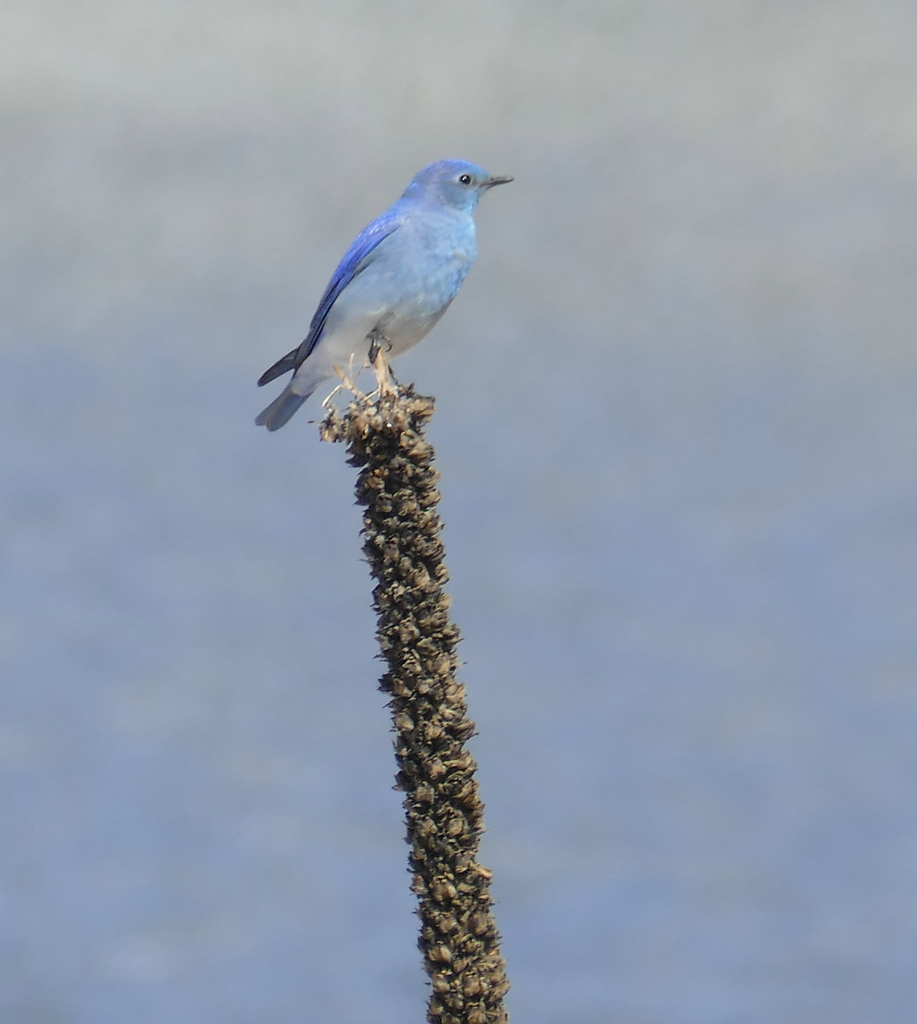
{"x": 357, "y": 258}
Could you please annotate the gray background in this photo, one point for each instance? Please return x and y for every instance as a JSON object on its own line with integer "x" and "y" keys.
{"x": 677, "y": 424}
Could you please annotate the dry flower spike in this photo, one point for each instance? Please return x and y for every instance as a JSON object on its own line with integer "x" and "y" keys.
{"x": 397, "y": 487}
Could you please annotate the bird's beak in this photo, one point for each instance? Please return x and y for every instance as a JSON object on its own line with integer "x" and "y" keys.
{"x": 496, "y": 180}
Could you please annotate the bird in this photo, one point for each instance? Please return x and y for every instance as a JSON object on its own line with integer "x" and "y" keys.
{"x": 393, "y": 284}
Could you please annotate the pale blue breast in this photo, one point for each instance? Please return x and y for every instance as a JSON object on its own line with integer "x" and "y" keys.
{"x": 409, "y": 284}
{"x": 426, "y": 261}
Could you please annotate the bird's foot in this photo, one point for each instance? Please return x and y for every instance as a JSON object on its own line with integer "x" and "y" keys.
{"x": 385, "y": 379}
{"x": 377, "y": 339}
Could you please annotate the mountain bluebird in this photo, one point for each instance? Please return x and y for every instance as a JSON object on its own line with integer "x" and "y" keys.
{"x": 393, "y": 284}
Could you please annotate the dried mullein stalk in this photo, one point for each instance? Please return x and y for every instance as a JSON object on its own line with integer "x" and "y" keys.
{"x": 397, "y": 487}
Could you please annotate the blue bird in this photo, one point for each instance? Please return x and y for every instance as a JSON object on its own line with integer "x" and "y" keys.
{"x": 393, "y": 284}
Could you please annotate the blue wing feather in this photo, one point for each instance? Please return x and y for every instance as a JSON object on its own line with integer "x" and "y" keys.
{"x": 354, "y": 262}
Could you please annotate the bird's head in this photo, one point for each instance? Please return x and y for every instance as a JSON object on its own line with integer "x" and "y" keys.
{"x": 454, "y": 183}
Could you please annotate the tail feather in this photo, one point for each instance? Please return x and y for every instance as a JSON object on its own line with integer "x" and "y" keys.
{"x": 281, "y": 409}
{"x": 282, "y": 366}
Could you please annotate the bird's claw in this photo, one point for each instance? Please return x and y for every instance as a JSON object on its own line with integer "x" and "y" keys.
{"x": 384, "y": 375}
{"x": 377, "y": 339}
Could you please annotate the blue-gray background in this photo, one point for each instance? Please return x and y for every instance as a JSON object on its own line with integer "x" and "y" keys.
{"x": 677, "y": 424}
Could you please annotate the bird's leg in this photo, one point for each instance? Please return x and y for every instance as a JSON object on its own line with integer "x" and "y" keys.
{"x": 383, "y": 374}
{"x": 377, "y": 339}
{"x": 379, "y": 344}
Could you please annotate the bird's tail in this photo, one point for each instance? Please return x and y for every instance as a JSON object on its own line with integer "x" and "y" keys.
{"x": 282, "y": 408}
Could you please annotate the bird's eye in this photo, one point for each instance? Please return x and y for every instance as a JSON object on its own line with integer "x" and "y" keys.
{"x": 465, "y": 179}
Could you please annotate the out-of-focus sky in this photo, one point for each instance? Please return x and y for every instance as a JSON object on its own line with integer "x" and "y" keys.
{"x": 677, "y": 425}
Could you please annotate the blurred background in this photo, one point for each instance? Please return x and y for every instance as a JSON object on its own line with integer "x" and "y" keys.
{"x": 677, "y": 426}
